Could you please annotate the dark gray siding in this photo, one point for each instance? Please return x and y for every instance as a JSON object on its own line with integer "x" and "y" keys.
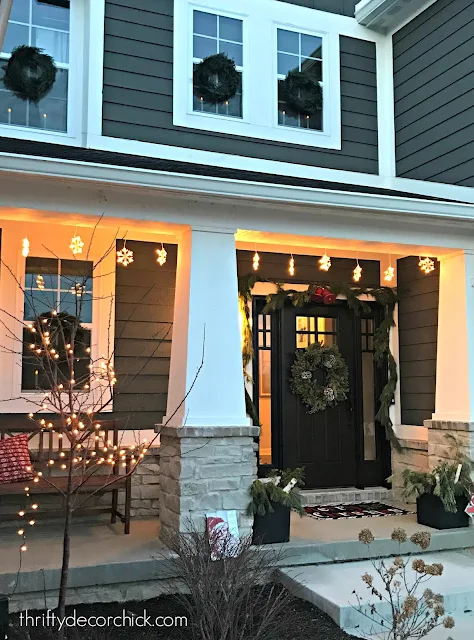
{"x": 274, "y": 266}
{"x": 418, "y": 327}
{"x": 138, "y": 94}
{"x": 434, "y": 94}
{"x": 143, "y": 331}
{"x": 342, "y": 7}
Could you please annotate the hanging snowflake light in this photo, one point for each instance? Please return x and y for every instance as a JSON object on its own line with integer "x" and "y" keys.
{"x": 357, "y": 273}
{"x": 389, "y": 274}
{"x": 161, "y": 255}
{"x": 291, "y": 266}
{"x": 25, "y": 247}
{"x": 124, "y": 256}
{"x": 325, "y": 262}
{"x": 77, "y": 289}
{"x": 256, "y": 261}
{"x": 40, "y": 282}
{"x": 426, "y": 265}
{"x": 76, "y": 245}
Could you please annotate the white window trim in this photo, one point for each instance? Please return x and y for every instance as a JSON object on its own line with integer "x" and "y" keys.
{"x": 260, "y": 102}
{"x": 82, "y": 85}
{"x": 13, "y": 399}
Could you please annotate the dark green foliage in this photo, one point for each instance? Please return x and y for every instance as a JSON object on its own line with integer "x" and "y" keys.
{"x": 441, "y": 481}
{"x": 302, "y": 92}
{"x": 216, "y": 79}
{"x": 29, "y": 73}
{"x": 264, "y": 495}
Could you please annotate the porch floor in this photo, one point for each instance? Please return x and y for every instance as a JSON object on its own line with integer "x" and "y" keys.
{"x": 102, "y": 556}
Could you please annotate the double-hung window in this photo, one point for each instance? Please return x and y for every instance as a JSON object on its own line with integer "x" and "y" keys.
{"x": 266, "y": 40}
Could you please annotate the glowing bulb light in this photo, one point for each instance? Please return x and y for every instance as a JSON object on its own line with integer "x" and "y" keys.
{"x": 291, "y": 266}
{"x": 426, "y": 265}
{"x": 76, "y": 245}
{"x": 389, "y": 274}
{"x": 161, "y": 255}
{"x": 124, "y": 256}
{"x": 357, "y": 273}
{"x": 256, "y": 261}
{"x": 25, "y": 247}
{"x": 40, "y": 282}
{"x": 325, "y": 262}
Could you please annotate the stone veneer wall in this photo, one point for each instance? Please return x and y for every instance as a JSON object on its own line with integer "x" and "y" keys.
{"x": 414, "y": 455}
{"x": 439, "y": 448}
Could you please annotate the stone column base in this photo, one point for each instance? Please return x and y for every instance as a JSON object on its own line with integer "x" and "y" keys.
{"x": 204, "y": 469}
{"x": 439, "y": 449}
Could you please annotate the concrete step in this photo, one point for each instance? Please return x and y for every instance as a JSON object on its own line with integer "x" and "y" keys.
{"x": 345, "y": 495}
{"x": 331, "y": 588}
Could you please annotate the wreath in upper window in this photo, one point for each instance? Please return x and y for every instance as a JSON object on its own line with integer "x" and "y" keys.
{"x": 320, "y": 377}
{"x": 216, "y": 80}
{"x": 302, "y": 93}
{"x": 29, "y": 74}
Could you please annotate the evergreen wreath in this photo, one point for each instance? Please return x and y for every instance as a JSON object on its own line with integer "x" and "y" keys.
{"x": 308, "y": 366}
{"x": 216, "y": 79}
{"x": 302, "y": 93}
{"x": 29, "y": 74}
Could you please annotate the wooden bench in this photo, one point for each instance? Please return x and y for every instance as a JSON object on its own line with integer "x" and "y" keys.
{"x": 48, "y": 447}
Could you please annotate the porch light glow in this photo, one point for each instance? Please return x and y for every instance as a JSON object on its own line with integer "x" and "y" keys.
{"x": 124, "y": 256}
{"x": 426, "y": 265}
{"x": 357, "y": 273}
{"x": 291, "y": 266}
{"x": 325, "y": 262}
{"x": 256, "y": 261}
{"x": 25, "y": 247}
{"x": 76, "y": 245}
{"x": 161, "y": 255}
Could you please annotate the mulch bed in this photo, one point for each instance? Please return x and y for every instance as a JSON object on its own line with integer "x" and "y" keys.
{"x": 307, "y": 621}
{"x": 360, "y": 510}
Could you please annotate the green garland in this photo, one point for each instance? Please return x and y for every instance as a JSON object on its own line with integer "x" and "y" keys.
{"x": 320, "y": 358}
{"x": 386, "y": 297}
{"x": 216, "y": 80}
{"x": 29, "y": 74}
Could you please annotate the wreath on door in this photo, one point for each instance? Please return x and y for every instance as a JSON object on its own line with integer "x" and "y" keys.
{"x": 320, "y": 377}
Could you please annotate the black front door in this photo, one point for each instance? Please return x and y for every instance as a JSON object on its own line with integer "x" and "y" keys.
{"x": 323, "y": 442}
{"x": 342, "y": 446}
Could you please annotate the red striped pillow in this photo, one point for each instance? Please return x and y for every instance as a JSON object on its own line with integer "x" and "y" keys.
{"x": 15, "y": 459}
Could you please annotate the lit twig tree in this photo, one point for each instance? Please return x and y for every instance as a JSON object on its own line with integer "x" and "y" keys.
{"x": 76, "y": 389}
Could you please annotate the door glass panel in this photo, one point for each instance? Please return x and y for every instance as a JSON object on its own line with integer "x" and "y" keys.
{"x": 311, "y": 329}
{"x": 327, "y": 339}
{"x": 368, "y": 390}
{"x": 264, "y": 325}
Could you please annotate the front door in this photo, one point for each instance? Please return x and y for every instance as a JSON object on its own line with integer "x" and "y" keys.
{"x": 324, "y": 443}
{"x": 342, "y": 446}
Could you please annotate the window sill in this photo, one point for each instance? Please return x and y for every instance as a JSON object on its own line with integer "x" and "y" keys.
{"x": 238, "y": 127}
{"x": 38, "y": 135}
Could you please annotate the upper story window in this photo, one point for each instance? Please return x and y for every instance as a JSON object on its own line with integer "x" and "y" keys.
{"x": 43, "y": 25}
{"x": 267, "y": 41}
{"x": 213, "y": 34}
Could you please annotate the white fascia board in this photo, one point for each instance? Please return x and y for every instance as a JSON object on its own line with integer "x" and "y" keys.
{"x": 218, "y": 188}
{"x": 388, "y": 15}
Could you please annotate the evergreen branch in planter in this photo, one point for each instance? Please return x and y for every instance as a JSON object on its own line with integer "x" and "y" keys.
{"x": 266, "y": 494}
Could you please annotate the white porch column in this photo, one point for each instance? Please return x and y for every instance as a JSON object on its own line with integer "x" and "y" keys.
{"x": 207, "y": 454}
{"x": 206, "y": 317}
{"x": 455, "y": 358}
{"x": 454, "y": 406}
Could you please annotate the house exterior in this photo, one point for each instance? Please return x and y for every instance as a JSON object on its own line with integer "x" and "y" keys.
{"x": 378, "y": 177}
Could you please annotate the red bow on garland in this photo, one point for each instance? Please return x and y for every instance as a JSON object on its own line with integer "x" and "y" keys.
{"x": 323, "y": 295}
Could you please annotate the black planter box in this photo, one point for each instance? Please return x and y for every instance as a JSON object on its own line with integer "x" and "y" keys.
{"x": 431, "y": 512}
{"x": 272, "y": 527}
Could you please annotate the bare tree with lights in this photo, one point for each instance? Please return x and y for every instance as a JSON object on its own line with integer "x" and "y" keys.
{"x": 76, "y": 389}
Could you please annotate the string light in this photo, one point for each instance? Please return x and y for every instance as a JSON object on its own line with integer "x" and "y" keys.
{"x": 357, "y": 273}
{"x": 325, "y": 262}
{"x": 40, "y": 282}
{"x": 426, "y": 265}
{"x": 161, "y": 255}
{"x": 256, "y": 261}
{"x": 124, "y": 256}
{"x": 389, "y": 273}
{"x": 25, "y": 247}
{"x": 291, "y": 266}
{"x": 76, "y": 245}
